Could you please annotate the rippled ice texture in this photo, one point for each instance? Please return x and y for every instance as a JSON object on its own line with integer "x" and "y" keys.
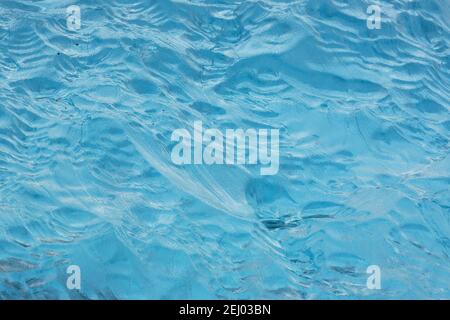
{"x": 85, "y": 171}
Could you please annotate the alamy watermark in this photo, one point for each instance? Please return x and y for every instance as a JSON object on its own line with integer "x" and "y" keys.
{"x": 234, "y": 147}
{"x": 374, "y": 280}
{"x": 74, "y": 279}
{"x": 374, "y": 17}
{"x": 73, "y": 20}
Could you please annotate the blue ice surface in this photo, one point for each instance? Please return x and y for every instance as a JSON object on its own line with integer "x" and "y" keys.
{"x": 86, "y": 177}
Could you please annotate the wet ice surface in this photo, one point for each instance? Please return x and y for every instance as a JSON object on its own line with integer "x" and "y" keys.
{"x": 86, "y": 176}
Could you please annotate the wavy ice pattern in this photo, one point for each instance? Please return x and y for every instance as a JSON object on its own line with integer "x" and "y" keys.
{"x": 85, "y": 172}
